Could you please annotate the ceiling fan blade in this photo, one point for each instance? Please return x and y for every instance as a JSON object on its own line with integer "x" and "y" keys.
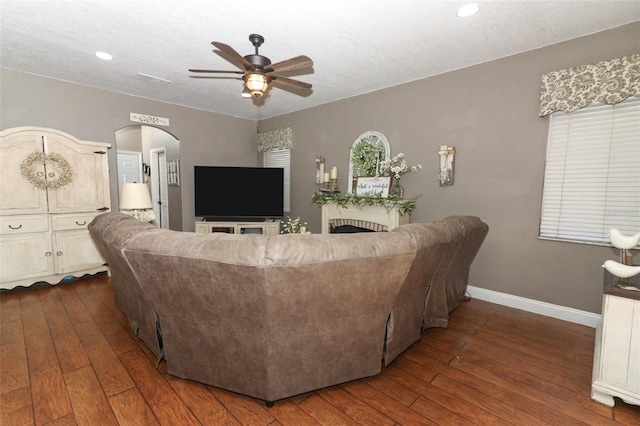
{"x": 296, "y": 63}
{"x": 219, "y": 77}
{"x": 289, "y": 82}
{"x": 238, "y": 58}
{"x": 216, "y": 71}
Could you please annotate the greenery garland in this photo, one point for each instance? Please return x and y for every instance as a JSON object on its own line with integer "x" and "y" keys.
{"x": 365, "y": 157}
{"x": 404, "y": 206}
{"x": 38, "y": 179}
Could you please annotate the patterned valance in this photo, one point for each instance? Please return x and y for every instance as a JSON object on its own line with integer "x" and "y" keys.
{"x": 609, "y": 82}
{"x": 275, "y": 139}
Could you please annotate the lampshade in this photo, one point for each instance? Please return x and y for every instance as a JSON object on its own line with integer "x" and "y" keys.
{"x": 135, "y": 196}
{"x": 257, "y": 84}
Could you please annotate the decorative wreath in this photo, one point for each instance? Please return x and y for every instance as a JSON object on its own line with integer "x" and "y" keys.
{"x": 38, "y": 179}
{"x": 365, "y": 157}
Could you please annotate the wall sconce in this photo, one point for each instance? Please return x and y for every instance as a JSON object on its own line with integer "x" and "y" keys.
{"x": 319, "y": 168}
{"x": 447, "y": 154}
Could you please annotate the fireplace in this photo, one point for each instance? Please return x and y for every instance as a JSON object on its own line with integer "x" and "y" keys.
{"x": 367, "y": 218}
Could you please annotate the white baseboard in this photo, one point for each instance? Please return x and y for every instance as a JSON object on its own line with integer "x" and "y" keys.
{"x": 547, "y": 309}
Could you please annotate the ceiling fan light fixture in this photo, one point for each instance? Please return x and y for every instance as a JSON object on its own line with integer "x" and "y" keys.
{"x": 257, "y": 84}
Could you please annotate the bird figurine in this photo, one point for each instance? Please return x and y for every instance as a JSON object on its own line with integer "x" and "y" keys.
{"x": 621, "y": 241}
{"x": 620, "y": 270}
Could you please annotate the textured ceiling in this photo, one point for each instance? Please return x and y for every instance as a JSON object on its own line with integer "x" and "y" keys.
{"x": 357, "y": 46}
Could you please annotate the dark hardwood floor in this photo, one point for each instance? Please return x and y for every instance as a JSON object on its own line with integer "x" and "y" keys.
{"x": 68, "y": 357}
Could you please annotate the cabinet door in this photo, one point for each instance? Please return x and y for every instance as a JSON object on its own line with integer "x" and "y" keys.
{"x": 25, "y": 255}
{"x": 89, "y": 190}
{"x": 75, "y": 251}
{"x": 18, "y": 195}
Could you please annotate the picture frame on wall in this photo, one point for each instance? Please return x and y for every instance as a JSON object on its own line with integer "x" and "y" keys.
{"x": 373, "y": 185}
{"x": 173, "y": 172}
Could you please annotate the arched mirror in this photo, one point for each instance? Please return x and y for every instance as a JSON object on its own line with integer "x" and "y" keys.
{"x": 147, "y": 154}
{"x": 365, "y": 156}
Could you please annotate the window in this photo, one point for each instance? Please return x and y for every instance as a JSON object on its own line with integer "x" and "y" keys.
{"x": 280, "y": 158}
{"x": 592, "y": 173}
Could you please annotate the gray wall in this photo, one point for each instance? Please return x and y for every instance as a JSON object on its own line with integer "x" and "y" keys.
{"x": 91, "y": 114}
{"x": 489, "y": 112}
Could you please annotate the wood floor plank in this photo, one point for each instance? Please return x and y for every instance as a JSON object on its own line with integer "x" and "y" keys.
{"x": 14, "y": 369}
{"x": 584, "y": 411}
{"x": 16, "y": 407}
{"x": 248, "y": 411}
{"x": 33, "y": 319}
{"x": 627, "y": 414}
{"x": 164, "y": 401}
{"x": 131, "y": 409}
{"x": 90, "y": 405}
{"x": 201, "y": 402}
{"x": 112, "y": 374}
{"x": 443, "y": 398}
{"x": 76, "y": 310}
{"x": 393, "y": 389}
{"x": 120, "y": 337}
{"x": 48, "y": 390}
{"x": 70, "y": 350}
{"x": 488, "y": 353}
{"x": 68, "y": 420}
{"x": 556, "y": 353}
{"x": 324, "y": 413}
{"x": 361, "y": 412}
{"x": 50, "y": 299}
{"x": 437, "y": 413}
{"x": 485, "y": 400}
{"x": 385, "y": 404}
{"x": 9, "y": 307}
{"x": 105, "y": 293}
{"x": 288, "y": 413}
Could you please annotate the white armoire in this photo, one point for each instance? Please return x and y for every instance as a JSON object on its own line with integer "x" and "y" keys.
{"x": 51, "y": 186}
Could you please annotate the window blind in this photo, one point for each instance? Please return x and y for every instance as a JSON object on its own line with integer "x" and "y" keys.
{"x": 280, "y": 158}
{"x": 592, "y": 173}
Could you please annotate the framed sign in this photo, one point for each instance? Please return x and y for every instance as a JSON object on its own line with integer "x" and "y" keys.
{"x": 373, "y": 185}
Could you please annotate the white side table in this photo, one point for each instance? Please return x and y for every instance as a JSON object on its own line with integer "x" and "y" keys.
{"x": 616, "y": 359}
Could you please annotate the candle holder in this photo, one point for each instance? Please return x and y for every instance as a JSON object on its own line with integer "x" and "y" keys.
{"x": 330, "y": 186}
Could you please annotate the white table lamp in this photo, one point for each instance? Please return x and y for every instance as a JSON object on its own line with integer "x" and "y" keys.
{"x": 135, "y": 199}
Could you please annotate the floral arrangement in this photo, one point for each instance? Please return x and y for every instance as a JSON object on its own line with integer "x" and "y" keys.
{"x": 293, "y": 226}
{"x": 145, "y": 215}
{"x": 397, "y": 166}
{"x": 365, "y": 157}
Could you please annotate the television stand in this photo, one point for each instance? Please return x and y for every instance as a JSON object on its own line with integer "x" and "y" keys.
{"x": 269, "y": 227}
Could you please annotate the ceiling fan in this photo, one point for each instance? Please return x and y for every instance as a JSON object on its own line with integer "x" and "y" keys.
{"x": 258, "y": 71}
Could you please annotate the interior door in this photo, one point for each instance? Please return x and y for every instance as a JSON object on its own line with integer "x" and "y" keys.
{"x": 129, "y": 167}
{"x": 160, "y": 187}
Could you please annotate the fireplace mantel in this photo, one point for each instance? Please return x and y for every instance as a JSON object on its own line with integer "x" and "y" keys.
{"x": 387, "y": 217}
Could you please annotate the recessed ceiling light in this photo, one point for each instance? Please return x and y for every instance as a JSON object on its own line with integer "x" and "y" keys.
{"x": 103, "y": 55}
{"x": 467, "y": 10}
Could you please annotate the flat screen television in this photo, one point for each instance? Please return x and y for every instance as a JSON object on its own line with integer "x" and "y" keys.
{"x": 238, "y": 193}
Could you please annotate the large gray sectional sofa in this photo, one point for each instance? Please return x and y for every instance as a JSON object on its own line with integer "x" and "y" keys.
{"x": 275, "y": 317}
